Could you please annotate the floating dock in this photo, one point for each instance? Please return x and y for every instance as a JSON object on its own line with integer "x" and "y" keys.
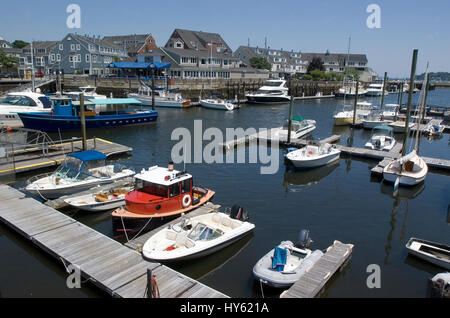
{"x": 34, "y": 158}
{"x": 314, "y": 280}
{"x": 112, "y": 267}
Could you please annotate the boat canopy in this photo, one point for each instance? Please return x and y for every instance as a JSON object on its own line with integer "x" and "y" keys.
{"x": 139, "y": 65}
{"x": 298, "y": 118}
{"x": 88, "y": 155}
{"x": 387, "y": 128}
{"x": 114, "y": 101}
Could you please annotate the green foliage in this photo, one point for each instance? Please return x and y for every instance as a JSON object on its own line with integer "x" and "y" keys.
{"x": 6, "y": 60}
{"x": 317, "y": 74}
{"x": 19, "y": 44}
{"x": 352, "y": 73}
{"x": 307, "y": 77}
{"x": 260, "y": 63}
{"x": 316, "y": 64}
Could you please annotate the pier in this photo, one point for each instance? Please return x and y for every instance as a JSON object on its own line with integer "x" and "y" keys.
{"x": 45, "y": 153}
{"x": 314, "y": 280}
{"x": 114, "y": 268}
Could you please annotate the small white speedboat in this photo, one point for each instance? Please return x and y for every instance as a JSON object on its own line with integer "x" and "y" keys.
{"x": 198, "y": 236}
{"x": 80, "y": 171}
{"x": 373, "y": 120}
{"x": 407, "y": 171}
{"x": 313, "y": 156}
{"x": 102, "y": 201}
{"x": 299, "y": 128}
{"x": 382, "y": 139}
{"x": 286, "y": 263}
{"x": 434, "y": 130}
{"x": 216, "y": 103}
{"x": 435, "y": 253}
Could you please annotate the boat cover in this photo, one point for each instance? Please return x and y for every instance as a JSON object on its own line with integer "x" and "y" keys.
{"x": 88, "y": 155}
{"x": 279, "y": 259}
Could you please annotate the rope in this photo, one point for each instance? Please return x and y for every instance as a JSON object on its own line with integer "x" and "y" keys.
{"x": 261, "y": 286}
{"x": 155, "y": 291}
{"x": 142, "y": 229}
{"x": 124, "y": 230}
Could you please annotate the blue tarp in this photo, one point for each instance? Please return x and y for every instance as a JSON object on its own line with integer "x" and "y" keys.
{"x": 279, "y": 259}
{"x": 139, "y": 65}
{"x": 88, "y": 155}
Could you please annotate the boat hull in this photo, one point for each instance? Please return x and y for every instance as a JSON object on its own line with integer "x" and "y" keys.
{"x": 443, "y": 262}
{"x": 162, "y": 103}
{"x": 391, "y": 174}
{"x": 255, "y": 99}
{"x": 50, "y": 123}
{"x": 371, "y": 124}
{"x": 343, "y": 121}
{"x": 315, "y": 162}
{"x": 219, "y": 106}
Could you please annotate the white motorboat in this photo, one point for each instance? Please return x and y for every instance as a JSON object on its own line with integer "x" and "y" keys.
{"x": 299, "y": 128}
{"x": 399, "y": 126}
{"x": 22, "y": 102}
{"x": 197, "y": 236}
{"x": 102, "y": 201}
{"x": 313, "y": 155}
{"x": 272, "y": 92}
{"x": 286, "y": 263}
{"x": 217, "y": 103}
{"x": 80, "y": 171}
{"x": 163, "y": 98}
{"x": 373, "y": 120}
{"x": 376, "y": 90}
{"x": 345, "y": 116}
{"x": 349, "y": 90}
{"x": 89, "y": 92}
{"x": 435, "y": 253}
{"x": 382, "y": 139}
{"x": 390, "y": 111}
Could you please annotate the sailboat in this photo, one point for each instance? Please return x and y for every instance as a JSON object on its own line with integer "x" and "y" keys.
{"x": 214, "y": 102}
{"x": 410, "y": 169}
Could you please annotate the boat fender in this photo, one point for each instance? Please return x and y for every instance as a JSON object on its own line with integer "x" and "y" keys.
{"x": 186, "y": 201}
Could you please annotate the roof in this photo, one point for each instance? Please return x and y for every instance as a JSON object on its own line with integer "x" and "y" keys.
{"x": 114, "y": 101}
{"x": 198, "y": 40}
{"x": 88, "y": 155}
{"x": 162, "y": 176}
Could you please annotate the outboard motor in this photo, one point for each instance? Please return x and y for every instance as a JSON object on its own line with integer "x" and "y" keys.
{"x": 377, "y": 143}
{"x": 237, "y": 212}
{"x": 304, "y": 239}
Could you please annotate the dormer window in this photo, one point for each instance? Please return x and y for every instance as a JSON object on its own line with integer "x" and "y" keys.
{"x": 179, "y": 44}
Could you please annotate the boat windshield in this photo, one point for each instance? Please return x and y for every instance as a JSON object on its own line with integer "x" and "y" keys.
{"x": 71, "y": 170}
{"x": 273, "y": 84}
{"x": 202, "y": 232}
{"x": 151, "y": 188}
{"x": 17, "y": 100}
{"x": 273, "y": 92}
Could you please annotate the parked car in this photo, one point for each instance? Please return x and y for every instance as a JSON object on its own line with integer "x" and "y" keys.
{"x": 39, "y": 74}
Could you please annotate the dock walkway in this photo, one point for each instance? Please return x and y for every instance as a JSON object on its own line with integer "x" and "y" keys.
{"x": 314, "y": 280}
{"x": 111, "y": 266}
{"x": 34, "y": 159}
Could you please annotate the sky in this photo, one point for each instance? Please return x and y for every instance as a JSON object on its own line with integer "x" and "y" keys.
{"x": 299, "y": 25}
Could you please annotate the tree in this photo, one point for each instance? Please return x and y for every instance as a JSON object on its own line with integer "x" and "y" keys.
{"x": 260, "y": 63}
{"x": 19, "y": 44}
{"x": 316, "y": 64}
{"x": 7, "y": 61}
{"x": 317, "y": 74}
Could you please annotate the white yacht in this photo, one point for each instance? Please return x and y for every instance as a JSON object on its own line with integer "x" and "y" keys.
{"x": 163, "y": 98}
{"x": 349, "y": 90}
{"x": 299, "y": 128}
{"x": 88, "y": 91}
{"x": 272, "y": 92}
{"x": 376, "y": 89}
{"x": 216, "y": 103}
{"x": 23, "y": 102}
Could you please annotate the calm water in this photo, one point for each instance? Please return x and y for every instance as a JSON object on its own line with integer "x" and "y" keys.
{"x": 338, "y": 202}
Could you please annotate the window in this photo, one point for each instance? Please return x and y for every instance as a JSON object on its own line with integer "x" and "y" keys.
{"x": 61, "y": 47}
{"x": 174, "y": 190}
{"x": 52, "y": 57}
{"x": 58, "y": 57}
{"x": 78, "y": 47}
{"x": 178, "y": 45}
{"x": 72, "y": 47}
{"x": 88, "y": 58}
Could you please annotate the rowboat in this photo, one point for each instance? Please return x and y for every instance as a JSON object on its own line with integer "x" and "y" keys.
{"x": 102, "y": 201}
{"x": 435, "y": 253}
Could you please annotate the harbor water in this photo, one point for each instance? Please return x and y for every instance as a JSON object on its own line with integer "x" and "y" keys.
{"x": 336, "y": 202}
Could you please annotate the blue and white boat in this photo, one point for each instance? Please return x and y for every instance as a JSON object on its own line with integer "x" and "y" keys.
{"x": 80, "y": 171}
{"x": 65, "y": 114}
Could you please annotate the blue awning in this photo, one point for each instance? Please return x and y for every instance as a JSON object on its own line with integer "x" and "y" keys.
{"x": 139, "y": 65}
{"x": 88, "y": 155}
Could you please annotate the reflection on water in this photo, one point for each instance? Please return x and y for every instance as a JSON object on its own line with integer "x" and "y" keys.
{"x": 404, "y": 194}
{"x": 306, "y": 177}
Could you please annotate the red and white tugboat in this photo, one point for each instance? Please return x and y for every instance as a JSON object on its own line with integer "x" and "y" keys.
{"x": 160, "y": 195}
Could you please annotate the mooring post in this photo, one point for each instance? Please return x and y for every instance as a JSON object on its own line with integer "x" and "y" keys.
{"x": 83, "y": 121}
{"x": 382, "y": 93}
{"x": 356, "y": 102}
{"x": 149, "y": 283}
{"x": 291, "y": 106}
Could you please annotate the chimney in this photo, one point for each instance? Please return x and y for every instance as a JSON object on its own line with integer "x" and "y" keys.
{"x": 170, "y": 168}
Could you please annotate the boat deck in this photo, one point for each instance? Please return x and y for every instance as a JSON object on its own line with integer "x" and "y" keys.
{"x": 314, "y": 280}
{"x": 34, "y": 158}
{"x": 106, "y": 263}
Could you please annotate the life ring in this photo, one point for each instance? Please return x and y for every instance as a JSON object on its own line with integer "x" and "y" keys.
{"x": 186, "y": 201}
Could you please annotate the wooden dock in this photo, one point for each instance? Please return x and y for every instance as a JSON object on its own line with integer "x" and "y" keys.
{"x": 315, "y": 278}
{"x": 29, "y": 159}
{"x": 106, "y": 263}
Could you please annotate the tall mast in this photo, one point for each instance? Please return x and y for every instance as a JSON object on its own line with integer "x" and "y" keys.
{"x": 421, "y": 109}
{"x": 410, "y": 94}
{"x": 32, "y": 67}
